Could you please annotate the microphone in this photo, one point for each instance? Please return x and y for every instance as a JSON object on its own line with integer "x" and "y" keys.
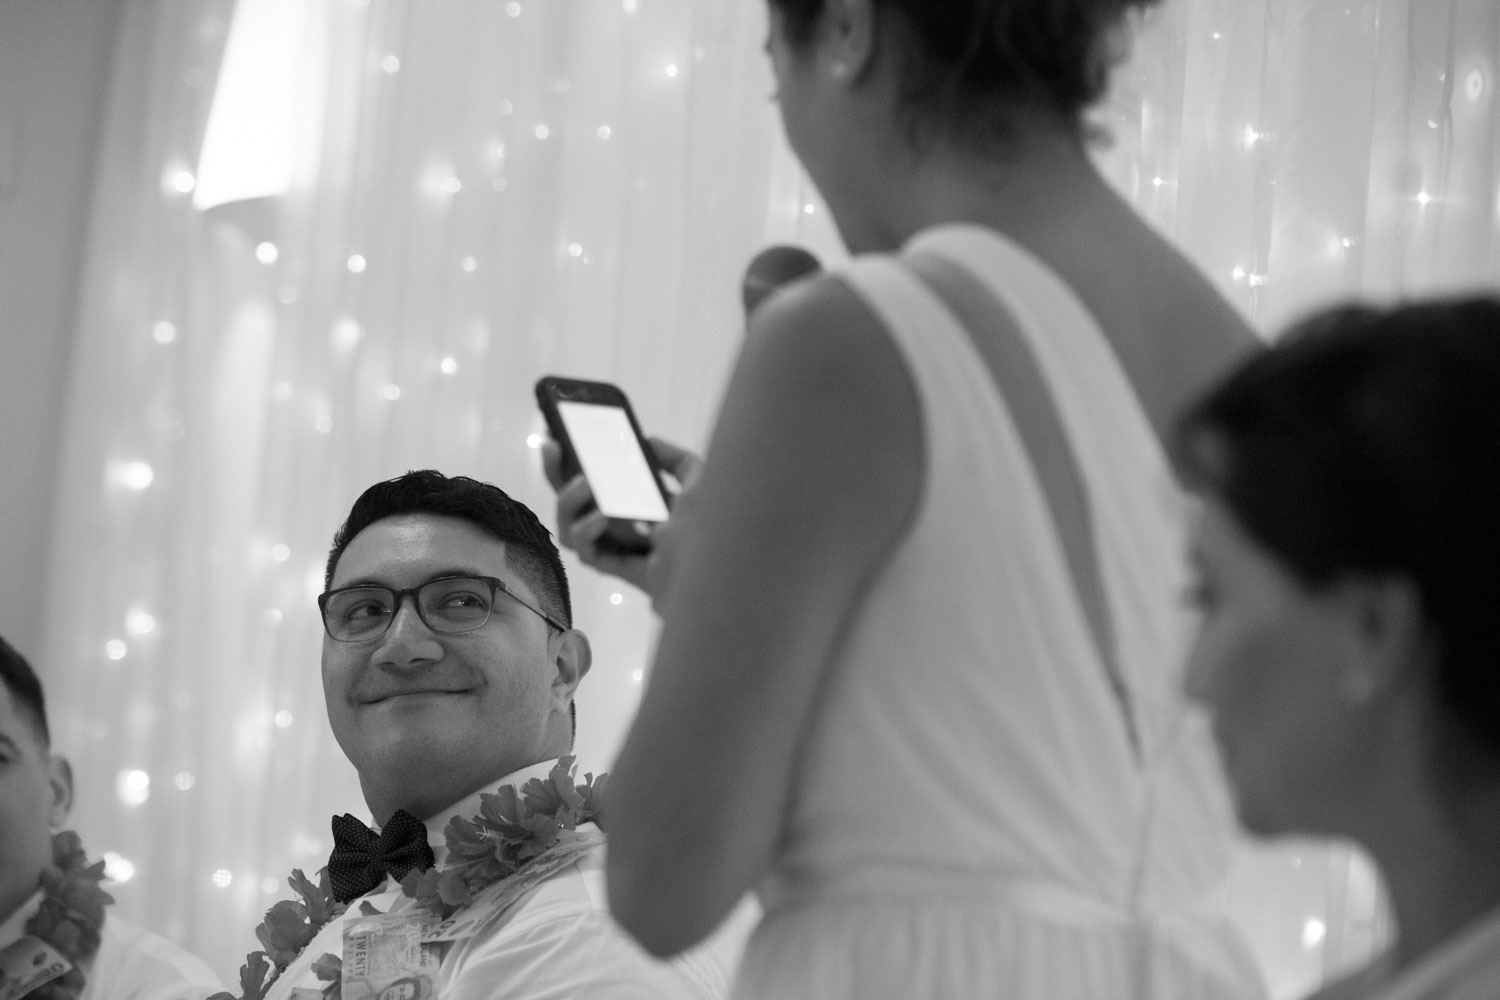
{"x": 772, "y": 268}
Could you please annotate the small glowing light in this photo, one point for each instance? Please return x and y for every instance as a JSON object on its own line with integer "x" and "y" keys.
{"x": 1238, "y": 273}
{"x": 1250, "y": 137}
{"x": 1157, "y": 182}
{"x": 809, "y": 208}
{"x": 163, "y": 332}
{"x": 134, "y": 475}
{"x": 269, "y": 886}
{"x": 346, "y": 333}
{"x": 116, "y": 649}
{"x": 283, "y": 719}
{"x": 616, "y": 598}
{"x": 274, "y": 616}
{"x": 533, "y": 440}
{"x": 604, "y": 132}
{"x": 324, "y": 424}
{"x": 1347, "y": 242}
{"x": 133, "y": 787}
{"x": 282, "y": 390}
{"x": 1256, "y": 280}
{"x": 671, "y": 70}
{"x": 469, "y": 265}
{"x": 392, "y": 391}
{"x": 637, "y": 675}
{"x": 356, "y": 263}
{"x": 280, "y": 552}
{"x": 513, "y": 9}
{"x": 630, "y": 6}
{"x": 1313, "y": 933}
{"x": 452, "y": 185}
{"x": 575, "y": 250}
{"x": 184, "y": 781}
{"x": 1423, "y": 198}
{"x": 1474, "y": 85}
{"x": 541, "y": 131}
{"x": 184, "y": 182}
{"x": 391, "y": 64}
{"x": 448, "y": 365}
{"x": 1432, "y": 123}
{"x": 499, "y": 184}
{"x": 1217, "y": 36}
{"x": 266, "y": 252}
{"x": 117, "y": 868}
{"x": 140, "y": 623}
{"x": 223, "y": 878}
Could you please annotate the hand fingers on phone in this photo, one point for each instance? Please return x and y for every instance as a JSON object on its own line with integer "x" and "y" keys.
{"x": 552, "y": 464}
{"x": 684, "y": 465}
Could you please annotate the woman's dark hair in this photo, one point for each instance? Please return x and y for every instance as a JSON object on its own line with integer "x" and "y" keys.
{"x": 1367, "y": 442}
{"x": 969, "y": 57}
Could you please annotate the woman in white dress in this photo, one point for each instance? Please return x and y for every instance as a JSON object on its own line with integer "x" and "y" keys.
{"x": 918, "y": 680}
{"x": 1348, "y": 559}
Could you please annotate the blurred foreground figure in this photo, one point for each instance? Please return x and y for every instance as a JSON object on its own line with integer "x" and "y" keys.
{"x": 1348, "y": 562}
{"x": 57, "y": 939}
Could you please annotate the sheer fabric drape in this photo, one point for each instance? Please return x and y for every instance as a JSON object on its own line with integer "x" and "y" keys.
{"x": 479, "y": 192}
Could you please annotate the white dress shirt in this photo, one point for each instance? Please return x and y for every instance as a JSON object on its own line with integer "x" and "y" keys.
{"x": 131, "y": 963}
{"x": 558, "y": 942}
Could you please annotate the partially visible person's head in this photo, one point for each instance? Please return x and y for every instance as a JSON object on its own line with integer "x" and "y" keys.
{"x": 428, "y": 715}
{"x": 1349, "y": 552}
{"x": 966, "y": 65}
{"x": 36, "y": 788}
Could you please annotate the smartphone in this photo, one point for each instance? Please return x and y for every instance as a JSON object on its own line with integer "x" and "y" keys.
{"x": 593, "y": 424}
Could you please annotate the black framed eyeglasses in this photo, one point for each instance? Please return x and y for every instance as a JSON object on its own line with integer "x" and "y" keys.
{"x": 448, "y": 605}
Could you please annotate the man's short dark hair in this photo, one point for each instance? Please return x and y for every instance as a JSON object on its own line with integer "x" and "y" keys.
{"x": 25, "y": 689}
{"x": 529, "y": 547}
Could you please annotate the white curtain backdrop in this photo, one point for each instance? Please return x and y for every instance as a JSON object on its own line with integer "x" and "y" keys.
{"x": 339, "y": 239}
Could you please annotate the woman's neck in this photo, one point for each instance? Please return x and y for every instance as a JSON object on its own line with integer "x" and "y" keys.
{"x": 1032, "y": 186}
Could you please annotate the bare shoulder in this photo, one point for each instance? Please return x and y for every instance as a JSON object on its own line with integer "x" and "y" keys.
{"x": 1174, "y": 333}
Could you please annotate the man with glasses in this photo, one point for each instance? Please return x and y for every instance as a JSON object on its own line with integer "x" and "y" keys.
{"x": 449, "y": 669}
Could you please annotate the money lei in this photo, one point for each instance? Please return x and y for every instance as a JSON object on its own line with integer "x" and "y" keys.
{"x": 512, "y": 828}
{"x": 71, "y": 915}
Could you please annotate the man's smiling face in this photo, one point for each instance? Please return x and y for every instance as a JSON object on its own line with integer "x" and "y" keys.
{"x": 428, "y": 718}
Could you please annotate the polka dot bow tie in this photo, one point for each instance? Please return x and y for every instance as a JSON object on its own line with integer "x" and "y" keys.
{"x": 361, "y": 858}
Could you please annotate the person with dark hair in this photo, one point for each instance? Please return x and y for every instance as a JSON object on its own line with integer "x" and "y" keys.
{"x": 1347, "y": 558}
{"x": 450, "y": 663}
{"x": 918, "y": 680}
{"x": 56, "y": 932}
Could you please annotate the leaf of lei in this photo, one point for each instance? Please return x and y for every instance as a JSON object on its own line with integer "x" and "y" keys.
{"x": 71, "y": 913}
{"x": 510, "y": 829}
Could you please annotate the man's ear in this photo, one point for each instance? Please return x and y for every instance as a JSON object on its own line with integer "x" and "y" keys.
{"x": 572, "y": 656}
{"x": 60, "y": 780}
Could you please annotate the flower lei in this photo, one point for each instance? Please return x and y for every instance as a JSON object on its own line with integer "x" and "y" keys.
{"x": 511, "y": 829}
{"x": 71, "y": 914}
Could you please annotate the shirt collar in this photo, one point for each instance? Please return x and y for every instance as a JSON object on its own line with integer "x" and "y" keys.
{"x": 14, "y": 926}
{"x": 469, "y": 805}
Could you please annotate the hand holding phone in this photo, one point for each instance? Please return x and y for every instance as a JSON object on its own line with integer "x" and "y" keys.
{"x": 597, "y": 434}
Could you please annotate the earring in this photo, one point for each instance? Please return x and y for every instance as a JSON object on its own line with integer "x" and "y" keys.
{"x": 838, "y": 69}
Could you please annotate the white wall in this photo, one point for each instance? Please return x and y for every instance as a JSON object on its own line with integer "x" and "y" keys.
{"x": 54, "y": 66}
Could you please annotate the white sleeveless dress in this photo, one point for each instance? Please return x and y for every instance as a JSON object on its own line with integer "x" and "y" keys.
{"x": 1001, "y": 796}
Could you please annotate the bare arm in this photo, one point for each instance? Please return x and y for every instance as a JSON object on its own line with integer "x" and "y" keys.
{"x": 810, "y": 481}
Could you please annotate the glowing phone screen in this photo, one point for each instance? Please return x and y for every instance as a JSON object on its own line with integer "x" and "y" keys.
{"x": 612, "y": 461}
